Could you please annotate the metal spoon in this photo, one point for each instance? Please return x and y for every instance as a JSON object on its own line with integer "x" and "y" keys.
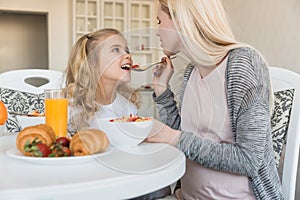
{"x": 141, "y": 69}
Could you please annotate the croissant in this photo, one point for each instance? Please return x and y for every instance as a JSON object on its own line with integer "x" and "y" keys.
{"x": 87, "y": 142}
{"x": 42, "y": 132}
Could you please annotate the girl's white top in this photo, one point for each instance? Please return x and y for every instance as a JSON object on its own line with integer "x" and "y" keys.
{"x": 118, "y": 108}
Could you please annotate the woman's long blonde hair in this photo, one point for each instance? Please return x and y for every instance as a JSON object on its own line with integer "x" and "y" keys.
{"x": 204, "y": 23}
{"x": 82, "y": 78}
{"x": 203, "y": 27}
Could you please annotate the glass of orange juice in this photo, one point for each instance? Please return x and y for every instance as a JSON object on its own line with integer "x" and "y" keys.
{"x": 56, "y": 111}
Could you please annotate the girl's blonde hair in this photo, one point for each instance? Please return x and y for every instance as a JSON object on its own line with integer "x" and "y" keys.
{"x": 82, "y": 78}
{"x": 203, "y": 27}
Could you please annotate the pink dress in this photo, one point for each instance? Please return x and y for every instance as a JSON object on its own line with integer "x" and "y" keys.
{"x": 205, "y": 113}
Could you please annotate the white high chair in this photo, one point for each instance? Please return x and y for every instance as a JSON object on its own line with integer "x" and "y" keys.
{"x": 22, "y": 91}
{"x": 284, "y": 79}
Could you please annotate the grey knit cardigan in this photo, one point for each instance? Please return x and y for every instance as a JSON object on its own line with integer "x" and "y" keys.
{"x": 252, "y": 155}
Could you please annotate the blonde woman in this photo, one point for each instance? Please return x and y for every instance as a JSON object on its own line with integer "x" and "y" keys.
{"x": 223, "y": 123}
{"x": 96, "y": 78}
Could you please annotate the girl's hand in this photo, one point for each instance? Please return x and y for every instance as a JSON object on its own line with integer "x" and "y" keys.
{"x": 162, "y": 133}
{"x": 162, "y": 75}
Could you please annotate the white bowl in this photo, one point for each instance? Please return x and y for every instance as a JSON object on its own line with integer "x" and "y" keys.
{"x": 124, "y": 134}
{"x": 26, "y": 121}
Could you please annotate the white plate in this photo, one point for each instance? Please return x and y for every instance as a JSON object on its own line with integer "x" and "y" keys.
{"x": 16, "y": 154}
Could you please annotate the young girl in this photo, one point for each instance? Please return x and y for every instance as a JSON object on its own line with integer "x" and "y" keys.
{"x": 96, "y": 79}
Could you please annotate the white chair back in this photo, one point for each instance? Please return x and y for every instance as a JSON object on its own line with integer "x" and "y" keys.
{"x": 284, "y": 79}
{"x": 22, "y": 91}
{"x": 32, "y": 80}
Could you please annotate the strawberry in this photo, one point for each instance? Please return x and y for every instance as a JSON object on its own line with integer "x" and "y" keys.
{"x": 41, "y": 150}
{"x": 67, "y": 151}
{"x": 135, "y": 66}
{"x": 37, "y": 148}
{"x": 64, "y": 141}
{"x": 132, "y": 119}
{"x": 58, "y": 150}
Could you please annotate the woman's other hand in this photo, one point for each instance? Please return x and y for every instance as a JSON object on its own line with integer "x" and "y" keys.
{"x": 162, "y": 133}
{"x": 162, "y": 75}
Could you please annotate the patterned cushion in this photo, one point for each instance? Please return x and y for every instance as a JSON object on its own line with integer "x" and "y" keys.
{"x": 283, "y": 101}
{"x": 20, "y": 102}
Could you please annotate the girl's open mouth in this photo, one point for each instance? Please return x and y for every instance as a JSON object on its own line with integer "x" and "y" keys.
{"x": 126, "y": 67}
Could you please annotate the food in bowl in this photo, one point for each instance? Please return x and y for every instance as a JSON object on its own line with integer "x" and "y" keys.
{"x": 35, "y": 113}
{"x": 124, "y": 133}
{"x": 131, "y": 118}
{"x": 30, "y": 119}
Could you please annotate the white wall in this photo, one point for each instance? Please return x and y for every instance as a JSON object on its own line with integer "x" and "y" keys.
{"x": 59, "y": 25}
{"x": 271, "y": 26}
